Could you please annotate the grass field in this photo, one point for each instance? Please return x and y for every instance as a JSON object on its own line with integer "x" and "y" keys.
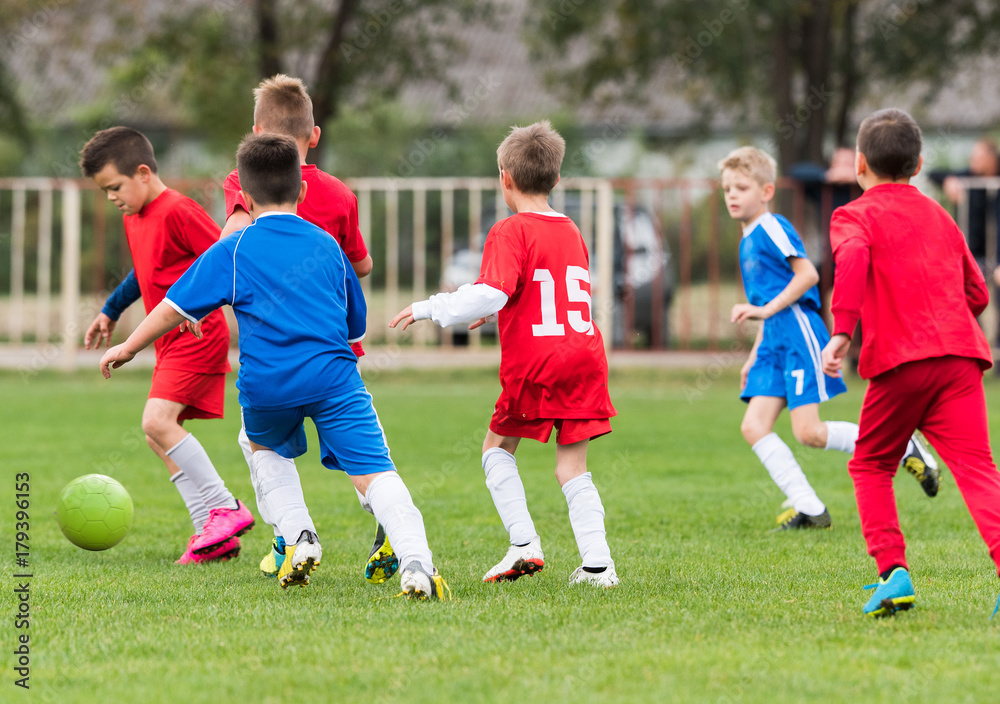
{"x": 712, "y": 607}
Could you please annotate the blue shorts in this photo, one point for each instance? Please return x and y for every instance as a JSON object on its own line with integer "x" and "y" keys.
{"x": 789, "y": 363}
{"x": 350, "y": 434}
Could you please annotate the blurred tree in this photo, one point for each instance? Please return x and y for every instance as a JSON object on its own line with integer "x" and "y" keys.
{"x": 215, "y": 52}
{"x": 798, "y": 66}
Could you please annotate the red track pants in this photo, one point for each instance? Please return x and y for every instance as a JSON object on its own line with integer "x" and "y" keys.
{"x": 944, "y": 398}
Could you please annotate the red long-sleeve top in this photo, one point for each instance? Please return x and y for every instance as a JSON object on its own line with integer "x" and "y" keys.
{"x": 904, "y": 269}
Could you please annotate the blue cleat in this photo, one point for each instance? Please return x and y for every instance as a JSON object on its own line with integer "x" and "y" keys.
{"x": 995, "y": 609}
{"x": 891, "y": 595}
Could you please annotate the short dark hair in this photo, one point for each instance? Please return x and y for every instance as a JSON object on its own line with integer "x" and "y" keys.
{"x": 532, "y": 156}
{"x": 127, "y": 149}
{"x": 890, "y": 141}
{"x": 269, "y": 169}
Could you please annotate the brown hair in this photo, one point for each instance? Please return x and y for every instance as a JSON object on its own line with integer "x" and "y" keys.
{"x": 890, "y": 141}
{"x": 268, "y": 168}
{"x": 282, "y": 105}
{"x": 127, "y": 149}
{"x": 752, "y": 162}
{"x": 532, "y": 156}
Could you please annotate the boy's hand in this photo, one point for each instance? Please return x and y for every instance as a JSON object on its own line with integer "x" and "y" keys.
{"x": 195, "y": 328}
{"x": 100, "y": 329}
{"x": 745, "y": 370}
{"x": 404, "y": 316}
{"x": 483, "y": 321}
{"x": 114, "y": 358}
{"x": 744, "y": 311}
{"x": 834, "y": 354}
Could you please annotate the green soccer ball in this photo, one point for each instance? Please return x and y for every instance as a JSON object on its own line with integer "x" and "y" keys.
{"x": 94, "y": 512}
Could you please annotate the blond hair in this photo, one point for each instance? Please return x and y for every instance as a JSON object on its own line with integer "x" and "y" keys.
{"x": 282, "y": 106}
{"x": 532, "y": 156}
{"x": 752, "y": 162}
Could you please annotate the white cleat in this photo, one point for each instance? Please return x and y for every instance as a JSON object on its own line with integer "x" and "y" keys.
{"x": 608, "y": 578}
{"x": 519, "y": 561}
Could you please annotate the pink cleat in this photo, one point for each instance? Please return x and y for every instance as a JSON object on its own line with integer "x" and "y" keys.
{"x": 228, "y": 549}
{"x": 222, "y": 524}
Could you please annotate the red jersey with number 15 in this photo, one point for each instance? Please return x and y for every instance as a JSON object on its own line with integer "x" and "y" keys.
{"x": 552, "y": 361}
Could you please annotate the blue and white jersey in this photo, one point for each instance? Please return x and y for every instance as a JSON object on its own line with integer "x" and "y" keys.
{"x": 764, "y": 250}
{"x": 298, "y": 303}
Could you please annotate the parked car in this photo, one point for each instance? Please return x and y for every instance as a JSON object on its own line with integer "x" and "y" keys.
{"x": 641, "y": 263}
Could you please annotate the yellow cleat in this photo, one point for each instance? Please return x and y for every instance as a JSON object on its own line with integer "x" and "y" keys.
{"x": 301, "y": 559}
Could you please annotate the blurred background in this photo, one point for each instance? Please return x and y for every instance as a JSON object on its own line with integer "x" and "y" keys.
{"x": 413, "y": 97}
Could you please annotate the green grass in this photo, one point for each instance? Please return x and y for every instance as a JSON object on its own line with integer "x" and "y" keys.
{"x": 712, "y": 607}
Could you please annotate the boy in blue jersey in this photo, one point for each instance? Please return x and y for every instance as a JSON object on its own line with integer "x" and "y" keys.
{"x": 299, "y": 306}
{"x": 785, "y": 364}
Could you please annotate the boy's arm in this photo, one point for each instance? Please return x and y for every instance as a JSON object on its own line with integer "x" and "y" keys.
{"x": 357, "y": 308}
{"x": 468, "y": 304}
{"x": 237, "y": 221}
{"x": 121, "y": 298}
{"x": 158, "y": 323}
{"x": 852, "y": 257}
{"x": 364, "y": 266}
{"x": 804, "y": 278}
{"x": 976, "y": 292}
{"x": 752, "y": 358}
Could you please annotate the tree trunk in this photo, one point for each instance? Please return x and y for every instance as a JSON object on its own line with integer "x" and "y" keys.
{"x": 816, "y": 102}
{"x": 781, "y": 90}
{"x": 267, "y": 35}
{"x": 326, "y": 87}
{"x": 849, "y": 80}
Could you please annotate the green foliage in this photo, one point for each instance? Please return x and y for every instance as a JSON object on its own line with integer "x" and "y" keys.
{"x": 712, "y": 607}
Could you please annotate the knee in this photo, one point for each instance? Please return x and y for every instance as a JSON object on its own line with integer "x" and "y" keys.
{"x": 811, "y": 435}
{"x": 753, "y": 430}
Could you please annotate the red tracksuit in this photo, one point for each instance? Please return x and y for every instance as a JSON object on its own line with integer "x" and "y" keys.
{"x": 904, "y": 269}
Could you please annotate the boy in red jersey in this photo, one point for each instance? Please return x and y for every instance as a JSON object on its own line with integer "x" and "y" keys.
{"x": 283, "y": 106}
{"x": 554, "y": 374}
{"x": 905, "y": 270}
{"x": 166, "y": 232}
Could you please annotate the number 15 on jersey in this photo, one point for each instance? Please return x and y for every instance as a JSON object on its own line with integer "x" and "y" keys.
{"x": 579, "y": 320}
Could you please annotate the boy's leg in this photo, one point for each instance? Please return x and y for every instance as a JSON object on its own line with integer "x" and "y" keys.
{"x": 956, "y": 424}
{"x": 586, "y": 515}
{"x": 777, "y": 458}
{"x": 185, "y": 487}
{"x": 524, "y": 556}
{"x": 227, "y": 517}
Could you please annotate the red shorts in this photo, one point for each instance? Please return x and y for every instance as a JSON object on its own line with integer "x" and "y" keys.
{"x": 568, "y": 430}
{"x": 203, "y": 395}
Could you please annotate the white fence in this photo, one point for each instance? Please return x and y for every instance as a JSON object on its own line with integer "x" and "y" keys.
{"x": 405, "y": 222}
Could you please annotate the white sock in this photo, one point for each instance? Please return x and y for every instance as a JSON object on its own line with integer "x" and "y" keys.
{"x": 282, "y": 492}
{"x": 393, "y": 508}
{"x": 586, "y": 515}
{"x": 841, "y": 435}
{"x": 262, "y": 509}
{"x": 192, "y": 459}
{"x": 192, "y": 499}
{"x": 780, "y": 463}
{"x": 363, "y": 500}
{"x": 507, "y": 491}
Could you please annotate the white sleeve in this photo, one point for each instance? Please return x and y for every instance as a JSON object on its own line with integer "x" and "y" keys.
{"x": 469, "y": 303}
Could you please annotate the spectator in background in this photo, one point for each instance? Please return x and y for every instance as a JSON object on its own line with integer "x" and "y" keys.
{"x": 984, "y": 161}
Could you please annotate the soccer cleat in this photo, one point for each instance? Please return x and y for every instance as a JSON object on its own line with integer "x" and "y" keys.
{"x": 922, "y": 465}
{"x": 271, "y": 564}
{"x": 995, "y": 609}
{"x": 416, "y": 583}
{"x": 382, "y": 561}
{"x": 222, "y": 524}
{"x": 519, "y": 561}
{"x": 605, "y": 578}
{"x": 891, "y": 595}
{"x": 225, "y": 551}
{"x": 792, "y": 520}
{"x": 300, "y": 560}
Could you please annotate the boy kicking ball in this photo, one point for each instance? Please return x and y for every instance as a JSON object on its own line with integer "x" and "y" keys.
{"x": 296, "y": 362}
